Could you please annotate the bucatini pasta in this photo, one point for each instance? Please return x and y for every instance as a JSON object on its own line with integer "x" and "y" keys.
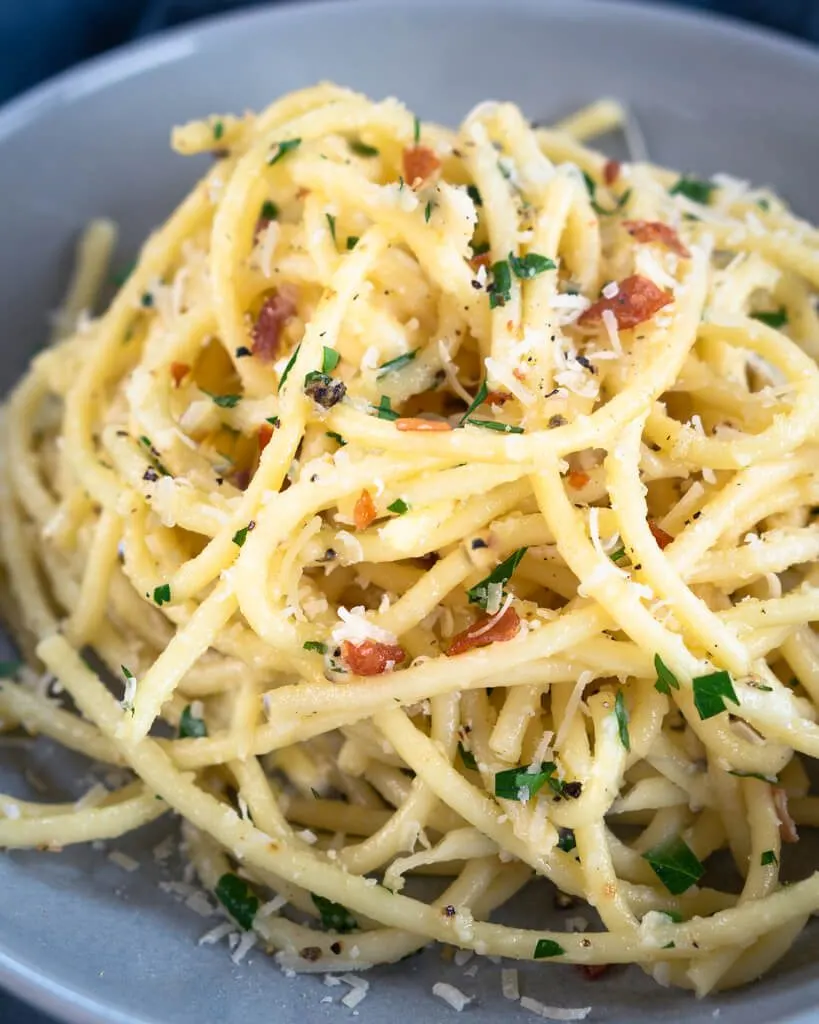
{"x": 451, "y": 497}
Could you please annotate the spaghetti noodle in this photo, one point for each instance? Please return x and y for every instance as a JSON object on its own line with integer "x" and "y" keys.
{"x": 451, "y": 498}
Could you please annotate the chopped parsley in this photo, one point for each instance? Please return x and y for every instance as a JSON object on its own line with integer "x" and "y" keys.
{"x": 500, "y": 290}
{"x": 147, "y": 443}
{"x": 315, "y": 645}
{"x": 467, "y": 757}
{"x": 191, "y": 727}
{"x": 475, "y": 196}
{"x": 615, "y": 556}
{"x": 281, "y": 149}
{"x": 546, "y": 948}
{"x": 771, "y": 779}
{"x": 289, "y": 366}
{"x": 218, "y": 130}
{"x": 334, "y": 917}
{"x": 269, "y": 210}
{"x": 695, "y": 189}
{"x": 238, "y": 899}
{"x": 384, "y": 409}
{"x": 416, "y": 131}
{"x": 503, "y": 428}
{"x": 396, "y": 364}
{"x": 241, "y": 535}
{"x": 361, "y": 148}
{"x": 335, "y": 437}
{"x": 332, "y": 223}
{"x": 242, "y": 352}
{"x": 675, "y": 864}
{"x": 352, "y": 242}
{"x": 522, "y": 784}
{"x": 768, "y": 857}
{"x": 147, "y": 300}
{"x": 621, "y": 714}
{"x": 711, "y": 692}
{"x": 775, "y": 318}
{"x": 329, "y": 359}
{"x": 530, "y": 265}
{"x": 666, "y": 680}
{"x": 399, "y": 507}
{"x": 274, "y": 421}
{"x": 428, "y": 210}
{"x": 225, "y": 401}
{"x": 489, "y": 592}
{"x": 598, "y": 209}
{"x": 566, "y": 840}
{"x": 162, "y": 595}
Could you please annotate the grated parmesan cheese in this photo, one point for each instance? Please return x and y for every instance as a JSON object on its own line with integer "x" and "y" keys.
{"x": 554, "y": 1012}
{"x": 244, "y": 946}
{"x": 451, "y": 996}
{"x": 509, "y": 983}
{"x": 216, "y": 934}
{"x": 356, "y": 627}
{"x": 123, "y": 860}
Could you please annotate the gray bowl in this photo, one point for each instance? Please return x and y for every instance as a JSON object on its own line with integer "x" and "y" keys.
{"x": 80, "y": 937}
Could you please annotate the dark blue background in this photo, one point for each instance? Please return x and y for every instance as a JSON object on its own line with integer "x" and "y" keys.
{"x": 41, "y": 37}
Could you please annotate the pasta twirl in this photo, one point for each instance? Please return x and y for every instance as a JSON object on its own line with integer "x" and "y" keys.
{"x": 451, "y": 496}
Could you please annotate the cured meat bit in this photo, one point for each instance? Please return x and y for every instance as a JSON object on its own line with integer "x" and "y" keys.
{"x": 497, "y": 398}
{"x": 787, "y": 826}
{"x": 656, "y": 231}
{"x": 481, "y": 633}
{"x": 636, "y": 301}
{"x": 274, "y": 314}
{"x": 577, "y": 479}
{"x": 611, "y": 171}
{"x": 178, "y": 373}
{"x": 411, "y": 423}
{"x": 370, "y": 657}
{"x": 264, "y": 435}
{"x": 364, "y": 512}
{"x": 658, "y": 533}
{"x": 420, "y": 163}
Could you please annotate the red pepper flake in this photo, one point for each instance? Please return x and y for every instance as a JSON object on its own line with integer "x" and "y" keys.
{"x": 636, "y": 301}
{"x": 658, "y": 533}
{"x": 264, "y": 435}
{"x": 497, "y": 398}
{"x": 577, "y": 479}
{"x": 274, "y": 314}
{"x": 787, "y": 826}
{"x": 611, "y": 171}
{"x": 420, "y": 163}
{"x": 410, "y": 423}
{"x": 370, "y": 657}
{"x": 592, "y": 971}
{"x": 179, "y": 371}
{"x": 506, "y": 627}
{"x": 364, "y": 512}
{"x": 656, "y": 231}
{"x": 483, "y": 259}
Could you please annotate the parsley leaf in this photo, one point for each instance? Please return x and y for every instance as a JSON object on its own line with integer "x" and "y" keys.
{"x": 352, "y": 242}
{"x": 503, "y": 428}
{"x": 218, "y": 130}
{"x": 530, "y": 265}
{"x": 361, "y": 148}
{"x": 598, "y": 209}
{"x": 399, "y": 507}
{"x": 500, "y": 290}
{"x": 329, "y": 359}
{"x": 332, "y": 222}
{"x": 336, "y": 437}
{"x": 269, "y": 210}
{"x": 334, "y": 917}
{"x": 694, "y": 189}
{"x": 621, "y": 713}
{"x": 772, "y": 779}
{"x": 224, "y": 401}
{"x": 289, "y": 366}
{"x": 241, "y": 535}
{"x": 274, "y": 421}
{"x": 566, "y": 840}
{"x": 777, "y": 318}
{"x": 615, "y": 556}
{"x": 711, "y": 692}
{"x": 475, "y": 196}
{"x": 396, "y": 364}
{"x": 162, "y": 594}
{"x": 281, "y": 150}
{"x": 416, "y": 131}
{"x": 492, "y": 586}
{"x": 315, "y": 645}
{"x": 191, "y": 727}
{"x": 385, "y": 411}
{"x": 666, "y": 680}
{"x": 522, "y": 784}
{"x": 768, "y": 857}
{"x": 238, "y": 899}
{"x": 548, "y": 947}
{"x": 675, "y": 864}
{"x": 467, "y": 757}
{"x": 428, "y": 211}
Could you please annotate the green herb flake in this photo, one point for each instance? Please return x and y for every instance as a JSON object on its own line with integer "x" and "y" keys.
{"x": 9, "y": 669}
{"x": 162, "y": 595}
{"x": 416, "y": 130}
{"x": 289, "y": 366}
{"x": 503, "y": 428}
{"x": 281, "y": 149}
{"x": 475, "y": 196}
{"x": 352, "y": 242}
{"x": 428, "y": 210}
{"x": 770, "y": 779}
{"x": 768, "y": 857}
{"x": 478, "y": 400}
{"x": 396, "y": 364}
{"x": 500, "y": 290}
{"x": 332, "y": 224}
{"x": 238, "y": 899}
{"x": 274, "y": 421}
{"x": 334, "y": 917}
{"x": 241, "y": 535}
{"x": 546, "y": 948}
{"x": 566, "y": 840}
{"x": 694, "y": 189}
{"x": 225, "y": 401}
{"x": 361, "y": 148}
{"x": 191, "y": 727}
{"x": 218, "y": 130}
{"x": 399, "y": 507}
{"x": 711, "y": 692}
{"x": 467, "y": 757}
{"x": 492, "y": 586}
{"x": 335, "y": 437}
{"x": 615, "y": 556}
{"x": 775, "y": 318}
{"x": 522, "y": 784}
{"x": 763, "y": 204}
{"x": 530, "y": 265}
{"x": 666, "y": 680}
{"x": 315, "y": 645}
{"x": 621, "y": 714}
{"x": 269, "y": 210}
{"x": 385, "y": 411}
{"x": 598, "y": 209}
{"x": 329, "y": 359}
{"x": 147, "y": 300}
{"x": 676, "y": 865}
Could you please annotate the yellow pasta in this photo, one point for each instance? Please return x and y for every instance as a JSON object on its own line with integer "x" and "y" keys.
{"x": 451, "y": 496}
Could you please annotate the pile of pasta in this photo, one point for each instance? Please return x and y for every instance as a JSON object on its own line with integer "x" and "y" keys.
{"x": 443, "y": 503}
